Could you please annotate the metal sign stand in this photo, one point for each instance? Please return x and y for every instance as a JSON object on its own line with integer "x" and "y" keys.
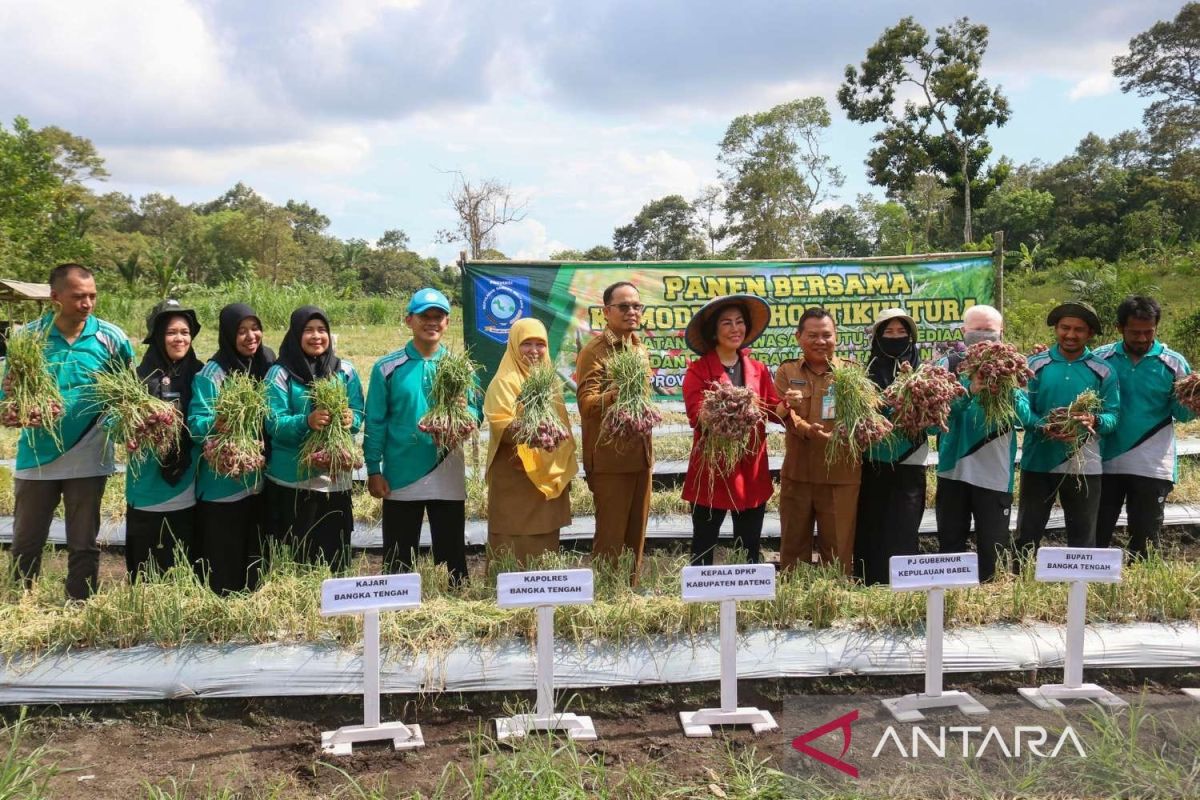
{"x": 908, "y": 708}
{"x": 699, "y": 723}
{"x": 404, "y": 737}
{"x": 1048, "y": 696}
{"x": 576, "y": 727}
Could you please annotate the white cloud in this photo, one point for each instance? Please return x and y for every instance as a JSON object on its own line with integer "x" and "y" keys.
{"x": 527, "y": 239}
{"x": 592, "y": 110}
{"x": 118, "y": 69}
{"x": 1093, "y": 86}
{"x": 333, "y": 151}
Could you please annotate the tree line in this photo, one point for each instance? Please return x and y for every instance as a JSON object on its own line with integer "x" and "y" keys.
{"x": 777, "y": 196}
{"x": 1132, "y": 193}
{"x": 48, "y": 214}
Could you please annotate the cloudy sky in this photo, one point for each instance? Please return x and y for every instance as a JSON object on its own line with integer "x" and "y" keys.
{"x": 588, "y": 109}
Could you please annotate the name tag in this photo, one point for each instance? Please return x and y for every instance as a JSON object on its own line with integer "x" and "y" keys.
{"x": 828, "y": 407}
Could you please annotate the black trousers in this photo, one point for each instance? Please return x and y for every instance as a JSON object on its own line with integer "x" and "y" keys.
{"x": 316, "y": 525}
{"x": 957, "y": 504}
{"x": 228, "y": 542}
{"x": 402, "y": 534}
{"x": 891, "y": 500}
{"x": 1079, "y": 496}
{"x": 706, "y": 528}
{"x": 153, "y": 537}
{"x": 1143, "y": 498}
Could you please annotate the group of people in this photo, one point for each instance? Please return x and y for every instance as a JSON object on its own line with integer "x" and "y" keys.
{"x": 863, "y": 511}
{"x": 228, "y": 526}
{"x": 867, "y": 511}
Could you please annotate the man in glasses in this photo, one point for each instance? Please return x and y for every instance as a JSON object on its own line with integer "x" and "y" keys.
{"x": 618, "y": 472}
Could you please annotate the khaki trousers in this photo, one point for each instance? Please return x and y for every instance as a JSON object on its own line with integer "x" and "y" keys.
{"x": 833, "y": 507}
{"x": 622, "y": 507}
{"x": 524, "y": 548}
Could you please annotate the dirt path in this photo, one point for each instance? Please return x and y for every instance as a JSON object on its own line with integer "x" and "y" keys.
{"x": 115, "y": 751}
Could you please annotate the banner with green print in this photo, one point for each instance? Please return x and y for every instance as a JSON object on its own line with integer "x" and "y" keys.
{"x": 568, "y": 298}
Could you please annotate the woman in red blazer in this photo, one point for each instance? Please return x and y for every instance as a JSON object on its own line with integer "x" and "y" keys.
{"x": 720, "y": 333}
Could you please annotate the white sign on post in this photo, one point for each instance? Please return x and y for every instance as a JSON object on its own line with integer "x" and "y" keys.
{"x": 944, "y": 570}
{"x": 556, "y": 587}
{"x": 373, "y": 592}
{"x": 368, "y": 595}
{"x": 732, "y": 582}
{"x": 1090, "y": 564}
{"x": 934, "y": 574}
{"x": 544, "y": 590}
{"x": 1078, "y": 566}
{"x": 727, "y": 584}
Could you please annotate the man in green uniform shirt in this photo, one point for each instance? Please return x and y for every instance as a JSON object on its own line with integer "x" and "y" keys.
{"x": 1048, "y": 466}
{"x": 74, "y": 469}
{"x": 976, "y": 461}
{"x": 1139, "y": 456}
{"x": 404, "y": 467}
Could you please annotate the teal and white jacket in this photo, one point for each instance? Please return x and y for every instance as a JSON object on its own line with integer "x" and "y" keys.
{"x": 1144, "y": 443}
{"x": 973, "y": 452}
{"x": 1056, "y": 382}
{"x": 211, "y": 487}
{"x": 397, "y": 398}
{"x": 86, "y": 451}
{"x": 287, "y": 425}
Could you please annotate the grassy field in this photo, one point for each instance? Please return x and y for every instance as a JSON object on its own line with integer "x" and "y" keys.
{"x": 175, "y": 608}
{"x": 665, "y": 501}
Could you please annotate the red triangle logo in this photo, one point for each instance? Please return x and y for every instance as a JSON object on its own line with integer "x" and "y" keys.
{"x": 842, "y": 723}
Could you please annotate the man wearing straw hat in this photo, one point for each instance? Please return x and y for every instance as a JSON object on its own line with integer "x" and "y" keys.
{"x": 618, "y": 472}
{"x": 1050, "y": 465}
{"x": 812, "y": 490}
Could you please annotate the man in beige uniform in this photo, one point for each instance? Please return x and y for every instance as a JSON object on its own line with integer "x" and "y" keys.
{"x": 618, "y": 472}
{"x": 811, "y": 489}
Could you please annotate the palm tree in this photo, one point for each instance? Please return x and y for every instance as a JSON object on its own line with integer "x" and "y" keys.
{"x": 167, "y": 270}
{"x": 129, "y": 269}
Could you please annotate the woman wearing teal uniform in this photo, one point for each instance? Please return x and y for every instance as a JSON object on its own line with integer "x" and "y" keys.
{"x": 161, "y": 494}
{"x": 228, "y": 510}
{"x": 310, "y": 509}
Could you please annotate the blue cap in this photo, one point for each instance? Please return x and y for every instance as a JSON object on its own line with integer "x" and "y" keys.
{"x": 426, "y": 299}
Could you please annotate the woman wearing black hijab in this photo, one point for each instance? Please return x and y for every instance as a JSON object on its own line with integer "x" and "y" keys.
{"x": 161, "y": 494}
{"x": 310, "y": 509}
{"x": 891, "y": 498}
{"x": 229, "y": 510}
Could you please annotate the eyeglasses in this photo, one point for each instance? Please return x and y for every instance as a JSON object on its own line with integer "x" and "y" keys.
{"x": 625, "y": 308}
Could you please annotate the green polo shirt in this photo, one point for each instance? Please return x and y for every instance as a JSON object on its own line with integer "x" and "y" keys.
{"x": 211, "y": 487}
{"x": 974, "y": 452}
{"x": 397, "y": 398}
{"x": 1056, "y": 382}
{"x": 85, "y": 451}
{"x": 147, "y": 490}
{"x": 1144, "y": 443}
{"x": 287, "y": 425}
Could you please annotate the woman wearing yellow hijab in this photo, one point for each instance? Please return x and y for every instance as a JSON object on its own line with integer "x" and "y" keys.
{"x": 528, "y": 488}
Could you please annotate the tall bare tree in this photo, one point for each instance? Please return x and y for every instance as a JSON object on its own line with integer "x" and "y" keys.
{"x": 482, "y": 207}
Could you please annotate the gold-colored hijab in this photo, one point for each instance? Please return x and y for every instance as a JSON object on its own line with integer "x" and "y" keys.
{"x": 551, "y": 473}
